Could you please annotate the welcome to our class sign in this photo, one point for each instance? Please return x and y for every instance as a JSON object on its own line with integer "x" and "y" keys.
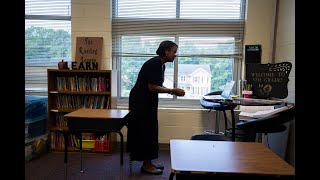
{"x": 88, "y": 53}
{"x": 269, "y": 80}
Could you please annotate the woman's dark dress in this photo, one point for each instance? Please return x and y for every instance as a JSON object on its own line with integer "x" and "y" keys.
{"x": 142, "y": 137}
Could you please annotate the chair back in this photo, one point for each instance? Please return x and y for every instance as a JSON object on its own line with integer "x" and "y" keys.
{"x": 211, "y": 137}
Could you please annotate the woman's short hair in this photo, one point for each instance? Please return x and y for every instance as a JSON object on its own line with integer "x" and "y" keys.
{"x": 165, "y": 45}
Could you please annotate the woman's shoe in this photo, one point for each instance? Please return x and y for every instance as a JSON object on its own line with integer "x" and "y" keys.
{"x": 154, "y": 172}
{"x": 158, "y": 166}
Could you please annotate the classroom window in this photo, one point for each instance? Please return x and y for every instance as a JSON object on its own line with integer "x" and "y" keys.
{"x": 209, "y": 35}
{"x": 47, "y": 41}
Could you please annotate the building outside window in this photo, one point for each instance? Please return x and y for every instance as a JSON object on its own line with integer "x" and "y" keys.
{"x": 183, "y": 78}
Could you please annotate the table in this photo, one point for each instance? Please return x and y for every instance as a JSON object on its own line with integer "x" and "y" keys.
{"x": 94, "y": 120}
{"x": 230, "y": 104}
{"x": 222, "y": 106}
{"x": 226, "y": 158}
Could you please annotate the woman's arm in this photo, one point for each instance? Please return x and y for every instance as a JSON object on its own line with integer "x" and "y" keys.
{"x": 159, "y": 89}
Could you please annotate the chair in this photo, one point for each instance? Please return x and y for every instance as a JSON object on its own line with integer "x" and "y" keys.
{"x": 216, "y": 136}
{"x": 211, "y": 137}
{"x": 265, "y": 125}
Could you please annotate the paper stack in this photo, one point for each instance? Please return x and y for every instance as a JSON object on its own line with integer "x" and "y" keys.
{"x": 251, "y": 112}
{"x": 247, "y": 112}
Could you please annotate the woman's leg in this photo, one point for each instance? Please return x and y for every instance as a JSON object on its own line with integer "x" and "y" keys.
{"x": 147, "y": 165}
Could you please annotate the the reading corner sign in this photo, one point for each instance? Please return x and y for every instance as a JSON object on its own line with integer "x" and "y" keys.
{"x": 88, "y": 53}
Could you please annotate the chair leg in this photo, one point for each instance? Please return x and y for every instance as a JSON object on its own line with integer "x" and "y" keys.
{"x": 225, "y": 122}
{"x": 217, "y": 128}
{"x": 171, "y": 176}
{"x": 130, "y": 163}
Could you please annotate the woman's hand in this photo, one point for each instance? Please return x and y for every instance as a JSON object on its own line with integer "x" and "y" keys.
{"x": 178, "y": 92}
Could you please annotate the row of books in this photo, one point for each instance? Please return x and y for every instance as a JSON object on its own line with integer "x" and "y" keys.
{"x": 57, "y": 139}
{"x": 60, "y": 121}
{"x": 82, "y": 101}
{"x": 80, "y": 84}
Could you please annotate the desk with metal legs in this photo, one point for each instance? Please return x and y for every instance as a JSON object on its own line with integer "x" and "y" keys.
{"x": 94, "y": 120}
{"x": 226, "y": 158}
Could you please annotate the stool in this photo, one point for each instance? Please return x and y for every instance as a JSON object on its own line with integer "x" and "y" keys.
{"x": 218, "y": 107}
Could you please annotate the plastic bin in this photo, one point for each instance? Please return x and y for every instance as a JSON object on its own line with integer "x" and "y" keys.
{"x": 36, "y": 149}
{"x": 102, "y": 146}
{"x": 86, "y": 144}
{"x": 36, "y": 108}
{"x": 35, "y": 128}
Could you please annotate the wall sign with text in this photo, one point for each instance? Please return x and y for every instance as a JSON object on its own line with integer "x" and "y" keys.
{"x": 269, "y": 80}
{"x": 88, "y": 53}
{"x": 253, "y": 53}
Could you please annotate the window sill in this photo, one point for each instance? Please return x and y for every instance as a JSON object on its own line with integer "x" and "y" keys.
{"x": 122, "y": 103}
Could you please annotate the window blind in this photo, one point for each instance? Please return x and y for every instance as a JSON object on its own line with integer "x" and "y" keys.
{"x": 209, "y": 34}
{"x": 188, "y": 18}
{"x": 47, "y": 41}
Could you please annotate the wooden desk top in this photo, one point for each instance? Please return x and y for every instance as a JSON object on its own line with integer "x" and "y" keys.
{"x": 226, "y": 157}
{"x": 98, "y": 113}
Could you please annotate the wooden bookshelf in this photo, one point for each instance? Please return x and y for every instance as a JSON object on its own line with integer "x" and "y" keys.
{"x": 69, "y": 90}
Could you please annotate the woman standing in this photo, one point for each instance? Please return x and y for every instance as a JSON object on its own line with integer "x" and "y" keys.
{"x": 142, "y": 137}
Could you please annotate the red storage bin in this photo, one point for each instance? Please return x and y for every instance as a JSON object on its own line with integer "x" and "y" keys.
{"x": 102, "y": 146}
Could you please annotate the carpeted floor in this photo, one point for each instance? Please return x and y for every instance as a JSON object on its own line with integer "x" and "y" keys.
{"x": 50, "y": 166}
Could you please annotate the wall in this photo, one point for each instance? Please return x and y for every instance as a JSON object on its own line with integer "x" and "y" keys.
{"x": 183, "y": 123}
{"x": 271, "y": 24}
{"x": 285, "y": 41}
{"x": 285, "y": 51}
{"x": 259, "y": 26}
{"x": 275, "y": 32}
{"x": 93, "y": 18}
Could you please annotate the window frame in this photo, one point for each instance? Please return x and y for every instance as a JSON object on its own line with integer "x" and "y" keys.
{"x": 43, "y": 16}
{"x": 174, "y": 102}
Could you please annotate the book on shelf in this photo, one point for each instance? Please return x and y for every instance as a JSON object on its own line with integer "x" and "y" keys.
{"x": 251, "y": 112}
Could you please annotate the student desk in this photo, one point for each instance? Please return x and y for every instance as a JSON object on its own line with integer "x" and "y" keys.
{"x": 226, "y": 158}
{"x": 94, "y": 120}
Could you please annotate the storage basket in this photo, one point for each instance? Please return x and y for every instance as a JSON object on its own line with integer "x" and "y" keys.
{"x": 102, "y": 146}
{"x": 86, "y": 144}
{"x": 35, "y": 128}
